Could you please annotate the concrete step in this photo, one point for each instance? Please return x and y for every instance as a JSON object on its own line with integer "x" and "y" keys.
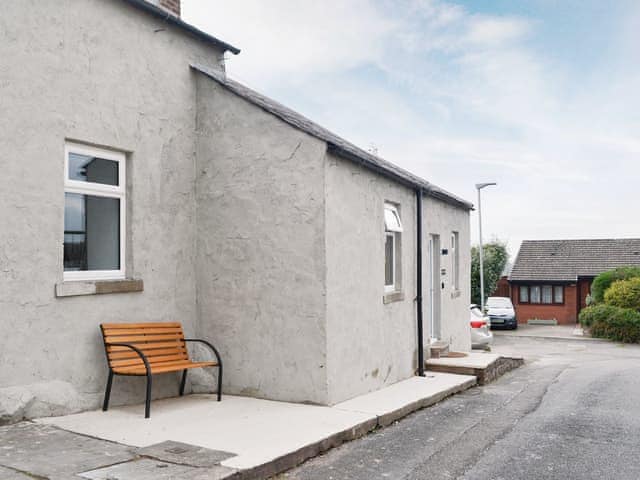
{"x": 485, "y": 367}
{"x": 439, "y": 349}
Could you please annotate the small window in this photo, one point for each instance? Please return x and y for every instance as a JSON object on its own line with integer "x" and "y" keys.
{"x": 558, "y": 294}
{"x": 534, "y": 294}
{"x": 455, "y": 261}
{"x": 393, "y": 232}
{"x": 94, "y": 213}
{"x": 547, "y": 294}
{"x": 392, "y": 221}
{"x": 524, "y": 294}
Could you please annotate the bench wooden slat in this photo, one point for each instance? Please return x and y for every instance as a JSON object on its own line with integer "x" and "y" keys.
{"x": 164, "y": 367}
{"x": 147, "y": 347}
{"x": 106, "y": 326}
{"x": 143, "y": 338}
{"x": 150, "y": 353}
{"x": 151, "y": 360}
{"x": 142, "y": 331}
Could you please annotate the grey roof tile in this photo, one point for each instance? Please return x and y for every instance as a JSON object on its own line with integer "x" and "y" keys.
{"x": 335, "y": 144}
{"x": 565, "y": 260}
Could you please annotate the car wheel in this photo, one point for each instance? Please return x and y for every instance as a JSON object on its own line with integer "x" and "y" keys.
{"x": 515, "y": 326}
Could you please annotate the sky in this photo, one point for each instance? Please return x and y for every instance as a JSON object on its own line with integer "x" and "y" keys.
{"x": 540, "y": 96}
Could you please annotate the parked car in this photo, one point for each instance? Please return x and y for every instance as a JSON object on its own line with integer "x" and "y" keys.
{"x": 481, "y": 335}
{"x": 501, "y": 312}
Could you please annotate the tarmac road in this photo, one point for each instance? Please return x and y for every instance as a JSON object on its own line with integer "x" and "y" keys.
{"x": 572, "y": 412}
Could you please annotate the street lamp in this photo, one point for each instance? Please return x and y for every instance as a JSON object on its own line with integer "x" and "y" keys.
{"x": 480, "y": 186}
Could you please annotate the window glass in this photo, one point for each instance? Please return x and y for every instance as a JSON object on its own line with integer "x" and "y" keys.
{"x": 392, "y": 219}
{"x": 388, "y": 260}
{"x": 547, "y": 293}
{"x": 90, "y": 169}
{"x": 455, "y": 259}
{"x": 534, "y": 294}
{"x": 558, "y": 294}
{"x": 91, "y": 232}
{"x": 524, "y": 293}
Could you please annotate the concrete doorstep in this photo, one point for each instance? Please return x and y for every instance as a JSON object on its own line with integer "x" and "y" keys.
{"x": 195, "y": 437}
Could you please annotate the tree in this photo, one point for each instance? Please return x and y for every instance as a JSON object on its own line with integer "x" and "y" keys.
{"x": 495, "y": 259}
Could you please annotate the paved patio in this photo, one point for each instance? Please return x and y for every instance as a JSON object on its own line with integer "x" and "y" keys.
{"x": 241, "y": 437}
{"x": 563, "y": 332}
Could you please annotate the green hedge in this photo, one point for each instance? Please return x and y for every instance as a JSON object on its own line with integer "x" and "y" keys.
{"x": 605, "y": 279}
{"x": 624, "y": 294}
{"x": 589, "y": 315}
{"x": 614, "y": 323}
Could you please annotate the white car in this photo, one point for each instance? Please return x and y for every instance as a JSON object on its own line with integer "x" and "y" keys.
{"x": 501, "y": 312}
{"x": 481, "y": 335}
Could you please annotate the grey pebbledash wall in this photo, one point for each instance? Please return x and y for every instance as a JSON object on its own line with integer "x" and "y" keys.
{"x": 108, "y": 74}
{"x": 261, "y": 260}
{"x": 242, "y": 227}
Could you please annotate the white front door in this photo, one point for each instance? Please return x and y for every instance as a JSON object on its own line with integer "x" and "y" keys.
{"x": 434, "y": 288}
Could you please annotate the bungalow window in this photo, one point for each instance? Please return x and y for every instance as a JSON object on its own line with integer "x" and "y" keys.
{"x": 393, "y": 231}
{"x": 558, "y": 294}
{"x": 547, "y": 294}
{"x": 544, "y": 294}
{"x": 94, "y": 213}
{"x": 534, "y": 294}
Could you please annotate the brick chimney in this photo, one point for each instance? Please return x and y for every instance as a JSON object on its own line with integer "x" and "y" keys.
{"x": 171, "y": 6}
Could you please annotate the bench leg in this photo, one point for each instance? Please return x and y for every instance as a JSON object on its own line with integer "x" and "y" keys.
{"x": 147, "y": 404}
{"x": 107, "y": 392}
{"x": 220, "y": 381}
{"x": 183, "y": 382}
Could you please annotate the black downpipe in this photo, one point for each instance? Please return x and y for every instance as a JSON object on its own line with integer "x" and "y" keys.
{"x": 419, "y": 280}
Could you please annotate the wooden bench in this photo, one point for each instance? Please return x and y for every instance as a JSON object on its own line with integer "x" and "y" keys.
{"x": 144, "y": 349}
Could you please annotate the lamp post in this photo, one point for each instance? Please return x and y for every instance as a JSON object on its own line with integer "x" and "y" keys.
{"x": 480, "y": 186}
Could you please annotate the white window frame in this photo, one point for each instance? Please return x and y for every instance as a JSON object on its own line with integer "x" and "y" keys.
{"x": 98, "y": 190}
{"x": 392, "y": 231}
{"x": 388, "y": 288}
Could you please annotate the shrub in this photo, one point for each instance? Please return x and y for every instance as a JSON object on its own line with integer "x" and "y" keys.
{"x": 605, "y": 279}
{"x": 622, "y": 326}
{"x": 594, "y": 313}
{"x": 624, "y": 294}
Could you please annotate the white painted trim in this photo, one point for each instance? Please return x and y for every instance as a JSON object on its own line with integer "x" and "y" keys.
{"x": 391, "y": 287}
{"x": 99, "y": 190}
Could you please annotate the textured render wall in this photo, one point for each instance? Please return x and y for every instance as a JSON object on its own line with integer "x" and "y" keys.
{"x": 369, "y": 344}
{"x": 442, "y": 219}
{"x": 95, "y": 71}
{"x": 261, "y": 259}
{"x": 565, "y": 314}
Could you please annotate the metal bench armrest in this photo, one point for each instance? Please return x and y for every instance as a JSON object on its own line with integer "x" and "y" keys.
{"x": 213, "y": 349}
{"x": 135, "y": 349}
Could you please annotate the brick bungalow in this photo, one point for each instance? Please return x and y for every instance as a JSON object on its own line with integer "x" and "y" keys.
{"x": 551, "y": 279}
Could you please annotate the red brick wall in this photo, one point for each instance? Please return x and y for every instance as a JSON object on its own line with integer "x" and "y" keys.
{"x": 565, "y": 314}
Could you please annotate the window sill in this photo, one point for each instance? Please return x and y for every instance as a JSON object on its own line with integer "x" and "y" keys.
{"x": 391, "y": 297}
{"x": 98, "y": 287}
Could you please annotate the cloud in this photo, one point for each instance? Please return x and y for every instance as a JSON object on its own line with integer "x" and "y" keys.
{"x": 458, "y": 97}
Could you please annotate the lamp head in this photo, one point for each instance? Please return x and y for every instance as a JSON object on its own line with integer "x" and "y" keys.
{"x": 480, "y": 186}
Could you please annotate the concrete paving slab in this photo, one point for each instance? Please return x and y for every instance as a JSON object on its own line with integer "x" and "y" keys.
{"x": 471, "y": 360}
{"x": 48, "y": 452}
{"x": 402, "y": 398}
{"x": 143, "y": 469}
{"x": 8, "y": 474}
{"x": 185, "y": 454}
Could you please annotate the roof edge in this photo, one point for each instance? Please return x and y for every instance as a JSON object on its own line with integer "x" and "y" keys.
{"x": 337, "y": 145}
{"x": 178, "y": 22}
